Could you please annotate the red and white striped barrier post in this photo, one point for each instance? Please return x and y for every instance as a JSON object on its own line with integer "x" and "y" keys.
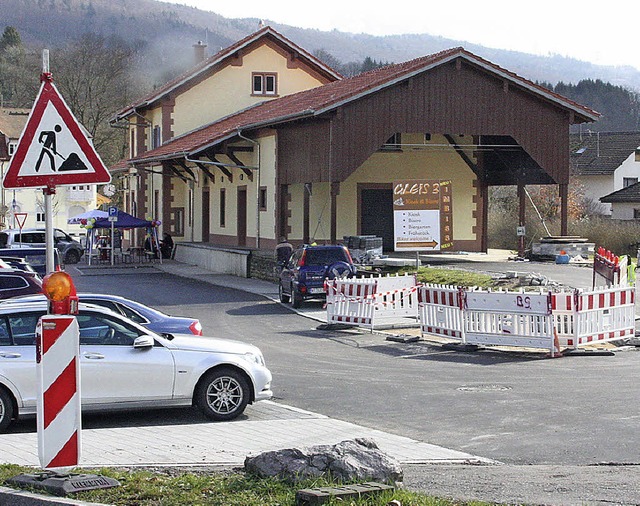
{"x": 59, "y": 420}
{"x": 58, "y": 366}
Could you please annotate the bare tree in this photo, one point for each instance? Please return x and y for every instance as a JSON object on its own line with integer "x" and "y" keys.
{"x": 94, "y": 75}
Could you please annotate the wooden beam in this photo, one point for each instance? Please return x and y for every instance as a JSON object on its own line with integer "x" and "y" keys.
{"x": 522, "y": 205}
{"x": 206, "y": 171}
{"x": 463, "y": 155}
{"x": 564, "y": 209}
{"x": 238, "y": 162}
{"x": 175, "y": 171}
{"x": 335, "y": 191}
{"x": 186, "y": 169}
{"x": 223, "y": 169}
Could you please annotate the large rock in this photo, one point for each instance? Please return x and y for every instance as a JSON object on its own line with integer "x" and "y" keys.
{"x": 352, "y": 460}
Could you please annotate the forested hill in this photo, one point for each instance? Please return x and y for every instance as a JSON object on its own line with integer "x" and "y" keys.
{"x": 620, "y": 107}
{"x": 167, "y": 31}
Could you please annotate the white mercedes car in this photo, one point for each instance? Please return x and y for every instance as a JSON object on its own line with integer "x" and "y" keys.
{"x": 126, "y": 366}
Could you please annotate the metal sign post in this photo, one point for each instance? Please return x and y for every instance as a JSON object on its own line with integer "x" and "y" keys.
{"x": 49, "y": 190}
{"x": 113, "y": 217}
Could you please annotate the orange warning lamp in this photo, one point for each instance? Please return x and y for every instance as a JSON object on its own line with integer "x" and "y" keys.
{"x": 58, "y": 287}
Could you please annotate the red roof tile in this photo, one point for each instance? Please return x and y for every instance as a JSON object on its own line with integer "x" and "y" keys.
{"x": 323, "y": 98}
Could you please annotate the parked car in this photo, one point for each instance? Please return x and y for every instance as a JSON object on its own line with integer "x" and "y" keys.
{"x": 303, "y": 276}
{"x": 15, "y": 282}
{"x": 70, "y": 250}
{"x": 137, "y": 368}
{"x": 36, "y": 257}
{"x": 18, "y": 263}
{"x": 146, "y": 316}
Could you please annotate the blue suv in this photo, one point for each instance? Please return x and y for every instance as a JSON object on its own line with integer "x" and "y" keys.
{"x": 302, "y": 277}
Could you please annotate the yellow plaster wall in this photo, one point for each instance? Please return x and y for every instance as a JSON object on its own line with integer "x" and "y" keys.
{"x": 437, "y": 163}
{"x": 229, "y": 90}
{"x": 267, "y": 177}
{"x": 320, "y": 212}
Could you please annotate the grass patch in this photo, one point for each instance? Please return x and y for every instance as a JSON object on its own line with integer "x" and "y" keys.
{"x": 456, "y": 277}
{"x": 172, "y": 487}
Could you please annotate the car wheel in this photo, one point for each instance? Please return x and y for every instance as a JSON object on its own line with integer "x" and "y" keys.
{"x": 72, "y": 257}
{"x": 338, "y": 270}
{"x": 223, "y": 394}
{"x": 283, "y": 296}
{"x": 6, "y": 410}
{"x": 296, "y": 298}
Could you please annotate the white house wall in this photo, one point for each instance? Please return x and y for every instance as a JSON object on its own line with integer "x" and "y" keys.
{"x": 596, "y": 187}
{"x": 624, "y": 210}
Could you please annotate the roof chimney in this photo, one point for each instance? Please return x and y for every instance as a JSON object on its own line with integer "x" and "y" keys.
{"x": 198, "y": 51}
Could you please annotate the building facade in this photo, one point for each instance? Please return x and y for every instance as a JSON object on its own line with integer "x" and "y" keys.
{"x": 262, "y": 140}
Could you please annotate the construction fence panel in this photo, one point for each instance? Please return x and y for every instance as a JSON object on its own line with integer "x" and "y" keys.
{"x": 509, "y": 319}
{"x": 373, "y": 300}
{"x": 440, "y": 310}
{"x": 396, "y": 297}
{"x": 351, "y": 301}
{"x": 601, "y": 315}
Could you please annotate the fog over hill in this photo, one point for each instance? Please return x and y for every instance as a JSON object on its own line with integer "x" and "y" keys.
{"x": 167, "y": 31}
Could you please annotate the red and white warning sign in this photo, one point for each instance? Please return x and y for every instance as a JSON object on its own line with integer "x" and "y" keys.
{"x": 53, "y": 149}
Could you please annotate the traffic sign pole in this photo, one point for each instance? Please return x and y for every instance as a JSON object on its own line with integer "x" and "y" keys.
{"x": 48, "y": 191}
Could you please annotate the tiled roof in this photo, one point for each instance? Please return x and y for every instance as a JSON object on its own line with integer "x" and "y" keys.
{"x": 329, "y": 96}
{"x": 594, "y": 154}
{"x": 12, "y": 121}
{"x": 219, "y": 58}
{"x": 628, "y": 194}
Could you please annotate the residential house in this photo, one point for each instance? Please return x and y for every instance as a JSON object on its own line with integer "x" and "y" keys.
{"x": 625, "y": 203}
{"x": 604, "y": 163}
{"x": 262, "y": 140}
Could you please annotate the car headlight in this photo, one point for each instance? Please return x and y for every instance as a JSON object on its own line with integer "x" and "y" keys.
{"x": 254, "y": 357}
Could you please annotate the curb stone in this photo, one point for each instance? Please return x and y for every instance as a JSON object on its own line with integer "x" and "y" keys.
{"x": 13, "y": 497}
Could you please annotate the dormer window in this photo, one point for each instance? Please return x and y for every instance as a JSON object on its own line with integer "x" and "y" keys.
{"x": 264, "y": 83}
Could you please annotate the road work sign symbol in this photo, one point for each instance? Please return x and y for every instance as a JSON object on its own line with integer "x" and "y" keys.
{"x": 53, "y": 149}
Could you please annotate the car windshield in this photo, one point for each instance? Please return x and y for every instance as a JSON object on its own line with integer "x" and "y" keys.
{"x": 325, "y": 256}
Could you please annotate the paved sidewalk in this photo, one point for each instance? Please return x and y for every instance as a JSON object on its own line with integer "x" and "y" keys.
{"x": 265, "y": 426}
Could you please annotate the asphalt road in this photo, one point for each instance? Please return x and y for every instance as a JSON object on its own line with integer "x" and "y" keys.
{"x": 537, "y": 415}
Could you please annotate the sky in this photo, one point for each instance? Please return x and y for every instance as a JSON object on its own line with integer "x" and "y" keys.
{"x": 596, "y": 32}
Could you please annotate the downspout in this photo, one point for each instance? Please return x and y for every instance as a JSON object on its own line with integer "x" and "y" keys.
{"x": 257, "y": 145}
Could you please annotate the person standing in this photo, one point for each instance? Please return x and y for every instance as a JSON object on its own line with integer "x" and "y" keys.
{"x": 166, "y": 245}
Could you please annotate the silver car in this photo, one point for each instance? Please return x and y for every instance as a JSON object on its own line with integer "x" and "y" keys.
{"x": 126, "y": 366}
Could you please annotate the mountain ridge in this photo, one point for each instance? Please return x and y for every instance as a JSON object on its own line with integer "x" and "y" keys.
{"x": 167, "y": 31}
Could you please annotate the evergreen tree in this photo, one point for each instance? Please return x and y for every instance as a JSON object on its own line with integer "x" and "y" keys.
{"x": 10, "y": 38}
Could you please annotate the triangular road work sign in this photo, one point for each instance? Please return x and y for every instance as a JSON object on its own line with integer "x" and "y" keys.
{"x": 53, "y": 150}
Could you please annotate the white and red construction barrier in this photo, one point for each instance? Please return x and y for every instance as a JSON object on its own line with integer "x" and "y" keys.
{"x": 534, "y": 320}
{"x": 519, "y": 319}
{"x": 440, "y": 310}
{"x": 58, "y": 410}
{"x": 600, "y": 315}
{"x": 371, "y": 301}
{"x": 541, "y": 320}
